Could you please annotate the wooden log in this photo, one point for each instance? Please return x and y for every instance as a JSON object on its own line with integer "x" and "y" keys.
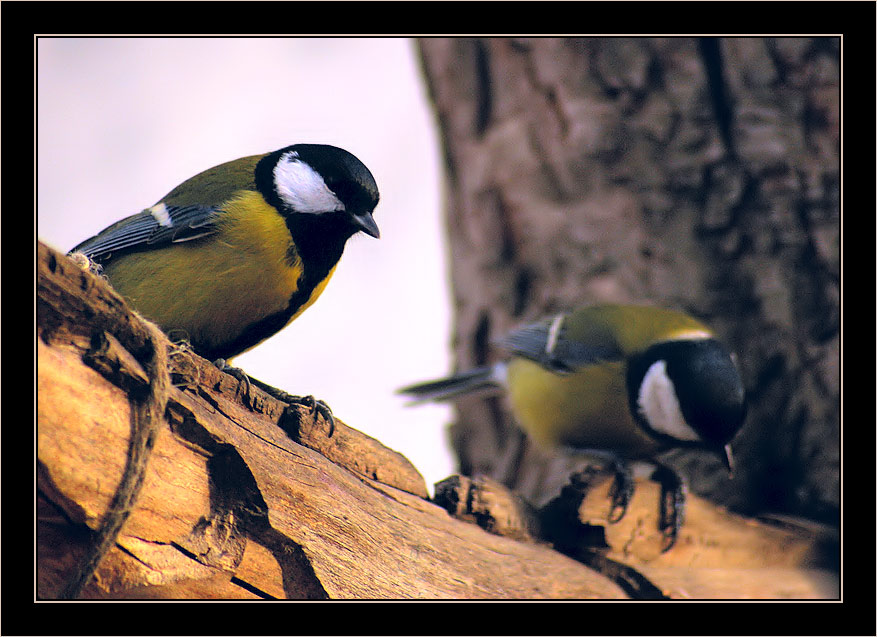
{"x": 244, "y": 496}
{"x": 248, "y": 497}
{"x": 718, "y": 554}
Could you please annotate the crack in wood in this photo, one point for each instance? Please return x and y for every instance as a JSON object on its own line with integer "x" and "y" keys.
{"x": 237, "y": 503}
{"x": 252, "y": 589}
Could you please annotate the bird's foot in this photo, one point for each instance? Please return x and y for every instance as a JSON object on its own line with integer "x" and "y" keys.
{"x": 621, "y": 491}
{"x": 236, "y": 372}
{"x": 672, "y": 506}
{"x": 317, "y": 407}
{"x": 623, "y": 485}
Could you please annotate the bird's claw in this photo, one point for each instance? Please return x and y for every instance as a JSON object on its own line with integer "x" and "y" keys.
{"x": 239, "y": 374}
{"x": 672, "y": 511}
{"x": 317, "y": 407}
{"x": 623, "y": 485}
{"x": 621, "y": 491}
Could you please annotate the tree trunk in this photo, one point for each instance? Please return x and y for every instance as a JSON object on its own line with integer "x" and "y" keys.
{"x": 700, "y": 174}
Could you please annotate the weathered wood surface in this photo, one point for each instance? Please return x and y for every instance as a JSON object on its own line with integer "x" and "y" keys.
{"x": 245, "y": 497}
{"x": 232, "y": 506}
{"x": 718, "y": 555}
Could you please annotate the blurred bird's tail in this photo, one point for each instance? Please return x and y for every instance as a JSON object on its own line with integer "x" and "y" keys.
{"x": 483, "y": 381}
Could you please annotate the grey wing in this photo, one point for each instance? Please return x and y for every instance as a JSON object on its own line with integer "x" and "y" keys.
{"x": 546, "y": 343}
{"x": 150, "y": 228}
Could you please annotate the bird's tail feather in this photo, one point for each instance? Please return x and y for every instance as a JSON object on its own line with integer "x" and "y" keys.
{"x": 482, "y": 381}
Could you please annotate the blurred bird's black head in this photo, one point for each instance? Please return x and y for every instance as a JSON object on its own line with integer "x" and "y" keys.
{"x": 688, "y": 392}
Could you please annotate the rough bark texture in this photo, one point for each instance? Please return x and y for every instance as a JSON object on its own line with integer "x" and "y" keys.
{"x": 243, "y": 497}
{"x": 700, "y": 174}
{"x": 246, "y": 497}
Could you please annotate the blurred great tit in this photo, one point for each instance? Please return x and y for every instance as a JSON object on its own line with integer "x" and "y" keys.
{"x": 634, "y": 381}
{"x": 234, "y": 254}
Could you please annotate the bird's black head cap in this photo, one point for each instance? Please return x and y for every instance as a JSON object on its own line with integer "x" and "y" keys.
{"x": 710, "y": 390}
{"x": 343, "y": 173}
{"x": 706, "y": 382}
{"x": 312, "y": 179}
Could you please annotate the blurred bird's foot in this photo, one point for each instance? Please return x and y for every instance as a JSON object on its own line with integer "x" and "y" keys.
{"x": 672, "y": 511}
{"x": 623, "y": 485}
{"x": 671, "y": 514}
{"x": 621, "y": 491}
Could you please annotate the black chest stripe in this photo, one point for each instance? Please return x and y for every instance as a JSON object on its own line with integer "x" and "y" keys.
{"x": 316, "y": 267}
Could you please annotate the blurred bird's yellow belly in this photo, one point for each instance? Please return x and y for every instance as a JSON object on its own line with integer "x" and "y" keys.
{"x": 587, "y": 409}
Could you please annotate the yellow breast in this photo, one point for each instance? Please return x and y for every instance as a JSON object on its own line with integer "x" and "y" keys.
{"x": 587, "y": 409}
{"x": 211, "y": 290}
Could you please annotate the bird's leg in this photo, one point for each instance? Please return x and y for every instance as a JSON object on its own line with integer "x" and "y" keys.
{"x": 622, "y": 489}
{"x": 235, "y": 372}
{"x": 623, "y": 485}
{"x": 671, "y": 514}
{"x": 315, "y": 405}
{"x": 672, "y": 511}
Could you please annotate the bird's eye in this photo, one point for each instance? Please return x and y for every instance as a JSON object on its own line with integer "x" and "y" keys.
{"x": 302, "y": 188}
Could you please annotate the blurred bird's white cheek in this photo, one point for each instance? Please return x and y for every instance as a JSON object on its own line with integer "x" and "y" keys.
{"x": 658, "y": 403}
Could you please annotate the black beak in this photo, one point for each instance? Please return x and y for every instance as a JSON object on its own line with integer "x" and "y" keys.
{"x": 366, "y": 223}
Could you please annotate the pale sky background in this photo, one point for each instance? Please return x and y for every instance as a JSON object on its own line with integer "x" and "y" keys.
{"x": 122, "y": 121}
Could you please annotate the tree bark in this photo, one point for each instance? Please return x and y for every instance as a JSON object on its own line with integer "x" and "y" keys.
{"x": 247, "y": 497}
{"x": 695, "y": 173}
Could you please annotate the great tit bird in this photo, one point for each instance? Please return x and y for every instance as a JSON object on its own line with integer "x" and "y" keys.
{"x": 631, "y": 380}
{"x": 234, "y": 254}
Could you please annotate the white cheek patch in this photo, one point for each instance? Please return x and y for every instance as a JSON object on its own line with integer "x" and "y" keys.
{"x": 160, "y": 214}
{"x": 658, "y": 403}
{"x": 302, "y": 188}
